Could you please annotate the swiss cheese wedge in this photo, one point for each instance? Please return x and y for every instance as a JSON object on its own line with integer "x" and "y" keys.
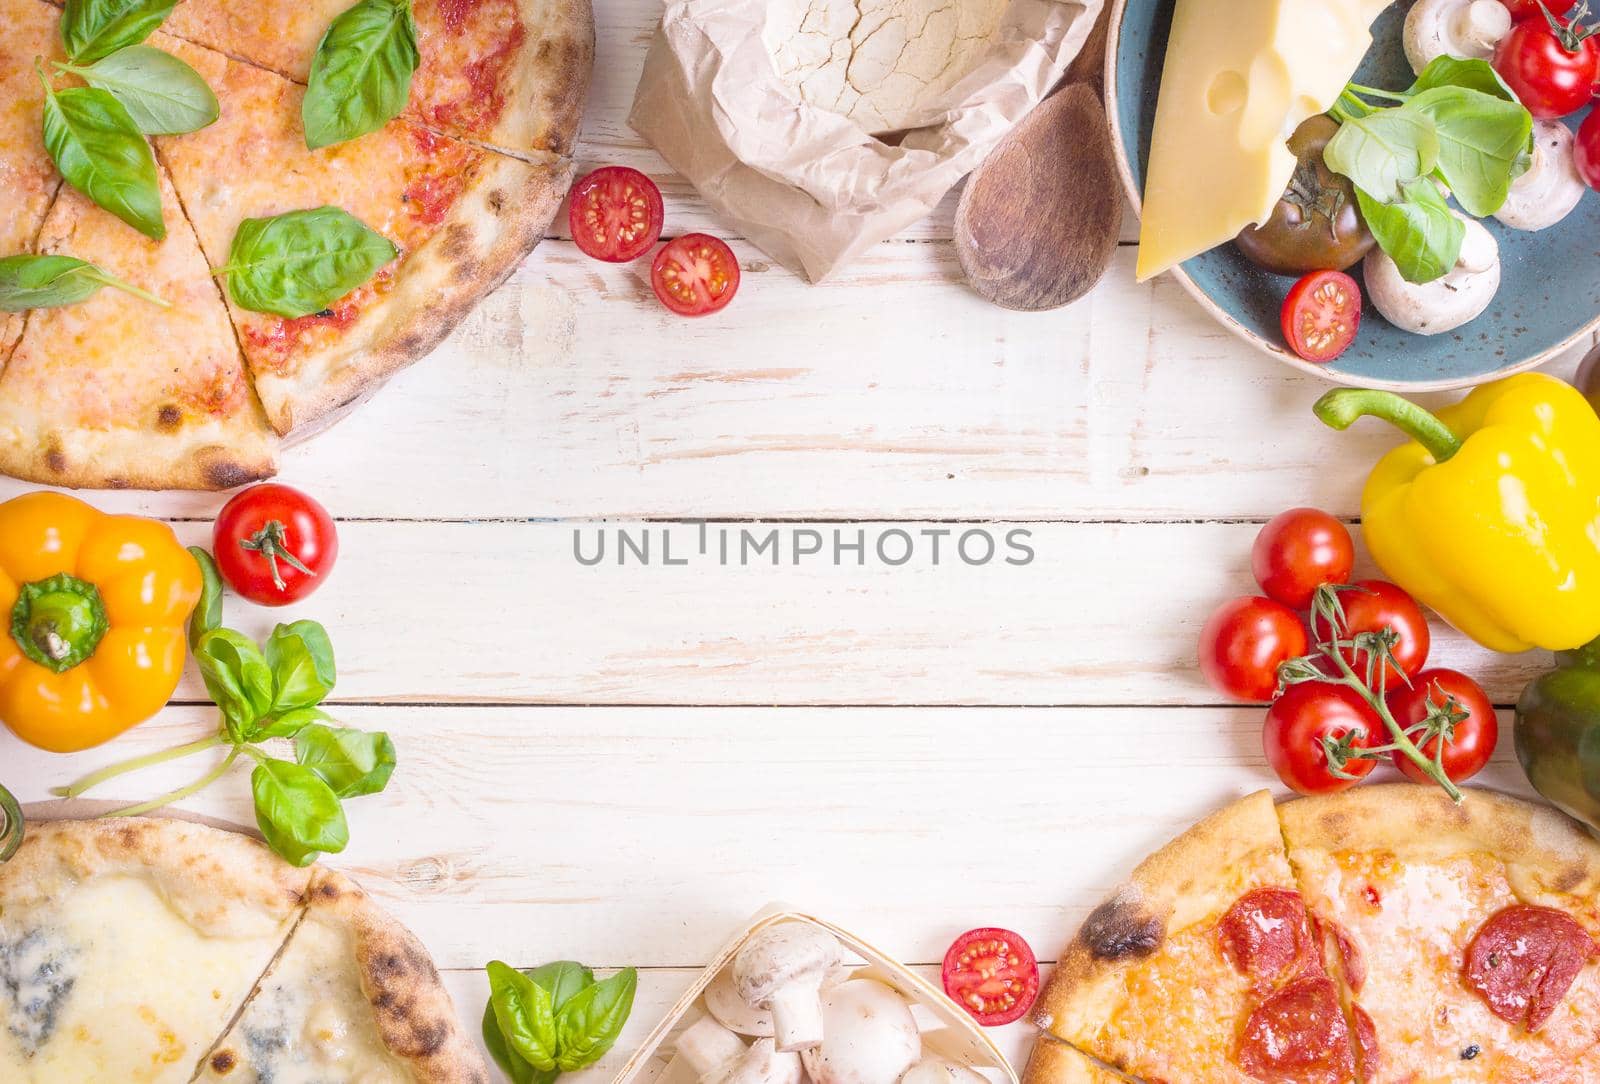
{"x": 1240, "y": 77}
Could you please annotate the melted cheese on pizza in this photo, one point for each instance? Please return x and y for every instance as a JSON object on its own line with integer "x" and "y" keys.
{"x": 108, "y": 982}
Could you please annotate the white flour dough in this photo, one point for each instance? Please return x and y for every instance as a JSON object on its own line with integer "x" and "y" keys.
{"x": 879, "y": 62}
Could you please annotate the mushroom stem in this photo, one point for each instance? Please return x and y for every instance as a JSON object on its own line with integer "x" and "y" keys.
{"x": 796, "y": 1016}
{"x": 1480, "y": 25}
{"x": 706, "y": 1046}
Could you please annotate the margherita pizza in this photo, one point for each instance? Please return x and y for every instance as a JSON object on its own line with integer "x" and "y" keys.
{"x": 197, "y": 388}
{"x": 1377, "y": 936}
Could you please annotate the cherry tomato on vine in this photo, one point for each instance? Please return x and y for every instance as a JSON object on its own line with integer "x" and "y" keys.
{"x": 1243, "y": 643}
{"x": 1586, "y": 149}
{"x": 695, "y": 275}
{"x": 1299, "y": 551}
{"x": 1551, "y": 66}
{"x": 615, "y": 214}
{"x": 992, "y": 974}
{"x": 1321, "y": 315}
{"x": 1473, "y": 737}
{"x": 1374, "y": 605}
{"x": 1299, "y": 720}
{"x": 1530, "y": 9}
{"x": 274, "y": 544}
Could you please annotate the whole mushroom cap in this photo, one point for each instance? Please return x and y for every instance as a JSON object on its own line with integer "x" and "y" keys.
{"x": 869, "y": 1036}
{"x": 777, "y": 955}
{"x": 941, "y": 1071}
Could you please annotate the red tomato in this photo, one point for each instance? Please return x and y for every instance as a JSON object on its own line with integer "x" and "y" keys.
{"x": 1297, "y": 723}
{"x": 1551, "y": 67}
{"x": 1299, "y": 551}
{"x": 273, "y": 544}
{"x": 695, "y": 275}
{"x": 1243, "y": 643}
{"x": 1525, "y": 9}
{"x": 1472, "y": 741}
{"x": 615, "y": 214}
{"x": 1321, "y": 315}
{"x": 1586, "y": 149}
{"x": 992, "y": 974}
{"x": 1375, "y": 605}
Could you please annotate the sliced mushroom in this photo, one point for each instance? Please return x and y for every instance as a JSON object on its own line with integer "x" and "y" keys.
{"x": 782, "y": 968}
{"x": 763, "y": 1063}
{"x": 941, "y": 1071}
{"x": 870, "y": 1036}
{"x": 707, "y": 1047}
{"x": 1446, "y": 303}
{"x": 1551, "y": 188}
{"x": 1464, "y": 28}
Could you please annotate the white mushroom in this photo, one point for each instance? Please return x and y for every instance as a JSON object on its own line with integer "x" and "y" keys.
{"x": 941, "y": 1071}
{"x": 1464, "y": 28}
{"x": 707, "y": 1047}
{"x": 871, "y": 1037}
{"x": 732, "y": 1011}
{"x": 782, "y": 968}
{"x": 763, "y": 1063}
{"x": 1551, "y": 188}
{"x": 1446, "y": 303}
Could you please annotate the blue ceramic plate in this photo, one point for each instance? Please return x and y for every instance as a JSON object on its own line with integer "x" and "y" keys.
{"x": 1550, "y": 291}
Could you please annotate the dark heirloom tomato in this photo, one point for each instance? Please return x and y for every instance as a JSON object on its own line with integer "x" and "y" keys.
{"x": 615, "y": 214}
{"x": 1317, "y": 225}
{"x": 992, "y": 974}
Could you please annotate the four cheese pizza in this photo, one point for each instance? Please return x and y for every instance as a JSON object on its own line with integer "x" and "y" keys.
{"x": 1383, "y": 936}
{"x": 192, "y": 377}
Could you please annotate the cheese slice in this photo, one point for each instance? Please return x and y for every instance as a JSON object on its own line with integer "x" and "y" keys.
{"x": 1240, "y": 77}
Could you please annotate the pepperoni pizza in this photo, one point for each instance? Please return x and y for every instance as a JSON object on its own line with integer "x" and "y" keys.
{"x": 1379, "y": 936}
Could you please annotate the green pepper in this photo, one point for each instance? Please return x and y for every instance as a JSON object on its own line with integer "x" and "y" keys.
{"x": 1558, "y": 733}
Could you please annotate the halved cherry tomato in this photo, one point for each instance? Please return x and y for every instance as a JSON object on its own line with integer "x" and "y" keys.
{"x": 1299, "y": 551}
{"x": 1244, "y": 642}
{"x": 1299, "y": 720}
{"x": 1472, "y": 739}
{"x": 1375, "y": 605}
{"x": 615, "y": 214}
{"x": 1321, "y": 315}
{"x": 1550, "y": 65}
{"x": 274, "y": 544}
{"x": 695, "y": 275}
{"x": 992, "y": 974}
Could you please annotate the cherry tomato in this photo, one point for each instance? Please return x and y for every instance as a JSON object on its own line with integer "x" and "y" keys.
{"x": 1298, "y": 721}
{"x": 274, "y": 544}
{"x": 615, "y": 214}
{"x": 1586, "y": 149}
{"x": 695, "y": 275}
{"x": 1299, "y": 551}
{"x": 1243, "y": 643}
{"x": 992, "y": 974}
{"x": 1551, "y": 67}
{"x": 1530, "y": 9}
{"x": 1374, "y": 605}
{"x": 1473, "y": 739}
{"x": 1321, "y": 315}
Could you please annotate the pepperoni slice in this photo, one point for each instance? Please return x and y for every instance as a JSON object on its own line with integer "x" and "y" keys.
{"x": 1266, "y": 936}
{"x": 1352, "y": 961}
{"x": 1367, "y": 1061}
{"x": 1524, "y": 960}
{"x": 1299, "y": 1034}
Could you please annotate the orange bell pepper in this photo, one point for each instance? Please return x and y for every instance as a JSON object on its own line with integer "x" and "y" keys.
{"x": 97, "y": 605}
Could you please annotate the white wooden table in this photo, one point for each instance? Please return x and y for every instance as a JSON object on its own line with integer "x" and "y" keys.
{"x": 619, "y": 764}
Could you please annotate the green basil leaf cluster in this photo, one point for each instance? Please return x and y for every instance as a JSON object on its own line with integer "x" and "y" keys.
{"x": 101, "y": 152}
{"x": 47, "y": 282}
{"x": 554, "y": 1019}
{"x": 361, "y": 73}
{"x": 163, "y": 95}
{"x": 299, "y": 263}
{"x": 92, "y": 29}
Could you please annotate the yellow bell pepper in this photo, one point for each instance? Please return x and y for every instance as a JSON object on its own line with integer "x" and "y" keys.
{"x": 1491, "y": 513}
{"x": 97, "y": 606}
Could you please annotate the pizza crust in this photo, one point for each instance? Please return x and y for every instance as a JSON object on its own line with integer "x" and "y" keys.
{"x": 1054, "y": 1062}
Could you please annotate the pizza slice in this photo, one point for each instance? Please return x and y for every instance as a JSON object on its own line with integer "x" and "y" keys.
{"x": 1465, "y": 933}
{"x": 127, "y": 945}
{"x": 1204, "y": 967}
{"x": 115, "y": 391}
{"x": 461, "y": 217}
{"x": 1053, "y": 1062}
{"x": 352, "y": 997}
{"x": 512, "y": 74}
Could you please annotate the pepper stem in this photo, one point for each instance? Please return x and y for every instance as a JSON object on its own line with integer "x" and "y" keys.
{"x": 272, "y": 542}
{"x": 1342, "y": 407}
{"x": 59, "y": 622}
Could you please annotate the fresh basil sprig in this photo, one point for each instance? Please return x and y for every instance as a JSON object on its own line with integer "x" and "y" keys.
{"x": 554, "y": 1019}
{"x": 1418, "y": 231}
{"x": 91, "y": 29}
{"x": 361, "y": 73}
{"x": 101, "y": 152}
{"x": 301, "y": 262}
{"x": 163, "y": 95}
{"x": 265, "y": 692}
{"x": 48, "y": 282}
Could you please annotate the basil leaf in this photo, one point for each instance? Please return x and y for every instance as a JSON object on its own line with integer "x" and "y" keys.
{"x": 1480, "y": 139}
{"x": 563, "y": 979}
{"x": 301, "y": 657}
{"x": 1454, "y": 71}
{"x": 91, "y": 29}
{"x": 1382, "y": 150}
{"x": 361, "y": 74}
{"x": 207, "y": 614}
{"x": 162, "y": 94}
{"x": 352, "y": 762}
{"x": 523, "y": 1009}
{"x": 588, "y": 1025}
{"x": 101, "y": 152}
{"x": 1419, "y": 233}
{"x": 297, "y": 812}
{"x": 288, "y": 724}
{"x": 513, "y": 1066}
{"x": 47, "y": 282}
{"x": 237, "y": 678}
{"x": 301, "y": 262}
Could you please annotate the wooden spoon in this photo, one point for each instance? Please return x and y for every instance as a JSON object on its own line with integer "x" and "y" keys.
{"x": 1038, "y": 222}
